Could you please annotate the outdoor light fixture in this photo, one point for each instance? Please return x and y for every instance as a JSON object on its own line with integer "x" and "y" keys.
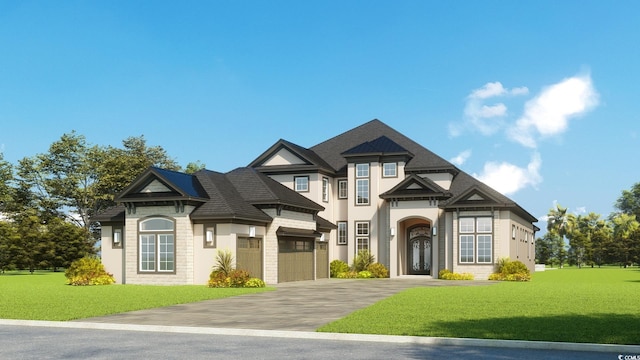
{"x": 117, "y": 236}
{"x": 392, "y": 231}
{"x": 209, "y": 236}
{"x": 252, "y": 231}
{"x": 434, "y": 231}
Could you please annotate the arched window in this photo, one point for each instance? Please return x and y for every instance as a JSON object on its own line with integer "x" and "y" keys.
{"x": 157, "y": 251}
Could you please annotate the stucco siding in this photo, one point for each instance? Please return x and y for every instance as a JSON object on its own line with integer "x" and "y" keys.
{"x": 111, "y": 258}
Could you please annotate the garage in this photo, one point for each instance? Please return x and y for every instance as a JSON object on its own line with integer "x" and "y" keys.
{"x": 249, "y": 256}
{"x": 322, "y": 260}
{"x": 296, "y": 254}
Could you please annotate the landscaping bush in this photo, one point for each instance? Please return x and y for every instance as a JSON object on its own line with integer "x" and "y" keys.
{"x": 338, "y": 266}
{"x": 88, "y": 271}
{"x": 378, "y": 270}
{"x": 224, "y": 262}
{"x": 445, "y": 274}
{"x": 511, "y": 271}
{"x": 364, "y": 274}
{"x": 347, "y": 275}
{"x": 254, "y": 283}
{"x": 363, "y": 260}
{"x": 225, "y": 276}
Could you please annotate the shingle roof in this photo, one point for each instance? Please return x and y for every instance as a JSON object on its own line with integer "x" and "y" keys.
{"x": 382, "y": 145}
{"x": 185, "y": 182}
{"x": 331, "y": 150}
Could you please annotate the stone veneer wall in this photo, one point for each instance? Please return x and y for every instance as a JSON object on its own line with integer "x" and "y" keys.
{"x": 183, "y": 243}
{"x": 290, "y": 219}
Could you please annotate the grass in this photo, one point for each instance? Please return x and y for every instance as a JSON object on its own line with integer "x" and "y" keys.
{"x": 566, "y": 305}
{"x": 44, "y": 296}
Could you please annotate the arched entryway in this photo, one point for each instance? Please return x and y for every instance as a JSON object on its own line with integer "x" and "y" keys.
{"x": 419, "y": 250}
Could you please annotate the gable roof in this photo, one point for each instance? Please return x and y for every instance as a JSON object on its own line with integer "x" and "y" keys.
{"x": 379, "y": 146}
{"x": 332, "y": 150}
{"x": 414, "y": 187}
{"x": 237, "y": 195}
{"x": 311, "y": 160}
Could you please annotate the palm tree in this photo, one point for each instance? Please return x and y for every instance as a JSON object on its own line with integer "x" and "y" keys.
{"x": 557, "y": 223}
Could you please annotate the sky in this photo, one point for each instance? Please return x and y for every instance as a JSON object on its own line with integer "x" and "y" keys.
{"x": 538, "y": 99}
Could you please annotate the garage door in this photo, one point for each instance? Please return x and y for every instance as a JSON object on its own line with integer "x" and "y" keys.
{"x": 249, "y": 256}
{"x": 295, "y": 259}
{"x": 322, "y": 260}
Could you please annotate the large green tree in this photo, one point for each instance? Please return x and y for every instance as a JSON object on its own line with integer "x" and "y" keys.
{"x": 559, "y": 224}
{"x": 6, "y": 177}
{"x": 629, "y": 201}
{"x": 626, "y": 236}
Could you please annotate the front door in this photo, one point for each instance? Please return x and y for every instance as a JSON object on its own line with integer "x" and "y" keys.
{"x": 419, "y": 251}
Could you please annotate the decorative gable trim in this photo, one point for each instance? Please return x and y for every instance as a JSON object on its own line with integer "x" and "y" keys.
{"x": 155, "y": 186}
{"x": 474, "y": 197}
{"x": 284, "y": 156}
{"x": 414, "y": 187}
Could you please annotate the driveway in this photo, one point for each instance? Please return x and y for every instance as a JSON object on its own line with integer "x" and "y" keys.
{"x": 294, "y": 306}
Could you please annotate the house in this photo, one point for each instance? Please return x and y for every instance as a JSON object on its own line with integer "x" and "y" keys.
{"x": 294, "y": 209}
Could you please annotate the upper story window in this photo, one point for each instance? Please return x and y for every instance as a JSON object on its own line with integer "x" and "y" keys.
{"x": 156, "y": 247}
{"x": 325, "y": 189}
{"x": 342, "y": 233}
{"x": 343, "y": 189}
{"x": 362, "y": 184}
{"x": 389, "y": 169}
{"x": 301, "y": 183}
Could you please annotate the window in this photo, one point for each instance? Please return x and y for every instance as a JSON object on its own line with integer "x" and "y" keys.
{"x": 157, "y": 245}
{"x": 210, "y": 236}
{"x": 342, "y": 233}
{"x": 389, "y": 170}
{"x": 362, "y": 184}
{"x": 301, "y": 183}
{"x": 325, "y": 189}
{"x": 362, "y": 236}
{"x": 343, "y": 191}
{"x": 476, "y": 240}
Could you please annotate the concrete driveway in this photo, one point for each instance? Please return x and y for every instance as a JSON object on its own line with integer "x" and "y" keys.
{"x": 294, "y": 306}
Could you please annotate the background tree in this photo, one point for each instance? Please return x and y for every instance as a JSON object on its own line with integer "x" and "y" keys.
{"x": 625, "y": 234}
{"x": 558, "y": 224}
{"x": 6, "y": 177}
{"x": 629, "y": 201}
{"x": 194, "y": 167}
{"x": 8, "y": 239}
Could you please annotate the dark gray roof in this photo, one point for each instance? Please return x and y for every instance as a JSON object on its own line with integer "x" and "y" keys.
{"x": 382, "y": 145}
{"x": 225, "y": 201}
{"x": 259, "y": 189}
{"x": 312, "y": 162}
{"x": 331, "y": 150}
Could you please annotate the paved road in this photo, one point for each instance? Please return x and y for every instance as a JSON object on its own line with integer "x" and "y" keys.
{"x": 50, "y": 342}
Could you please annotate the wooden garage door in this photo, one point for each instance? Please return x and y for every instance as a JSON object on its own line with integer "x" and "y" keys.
{"x": 295, "y": 259}
{"x": 322, "y": 260}
{"x": 249, "y": 256}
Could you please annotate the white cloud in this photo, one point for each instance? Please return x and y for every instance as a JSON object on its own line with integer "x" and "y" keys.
{"x": 485, "y": 118}
{"x": 508, "y": 178}
{"x": 548, "y": 114}
{"x": 461, "y": 158}
{"x": 580, "y": 210}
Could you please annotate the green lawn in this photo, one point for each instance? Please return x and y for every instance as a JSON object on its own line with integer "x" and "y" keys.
{"x": 44, "y": 296}
{"x": 567, "y": 305}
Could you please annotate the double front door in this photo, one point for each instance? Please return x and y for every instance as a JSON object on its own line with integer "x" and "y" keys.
{"x": 419, "y": 251}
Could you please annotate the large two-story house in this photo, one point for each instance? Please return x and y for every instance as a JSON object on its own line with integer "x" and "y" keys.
{"x": 294, "y": 209}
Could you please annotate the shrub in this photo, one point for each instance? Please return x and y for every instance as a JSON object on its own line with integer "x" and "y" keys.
{"x": 445, "y": 274}
{"x": 363, "y": 260}
{"x": 88, "y": 271}
{"x": 511, "y": 271}
{"x": 364, "y": 274}
{"x": 218, "y": 279}
{"x": 224, "y": 262}
{"x": 347, "y": 275}
{"x": 254, "y": 283}
{"x": 238, "y": 278}
{"x": 338, "y": 266}
{"x": 378, "y": 270}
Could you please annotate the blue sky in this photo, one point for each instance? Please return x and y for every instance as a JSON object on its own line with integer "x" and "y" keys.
{"x": 536, "y": 98}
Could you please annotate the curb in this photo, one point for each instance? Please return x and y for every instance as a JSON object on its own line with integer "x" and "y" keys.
{"x": 512, "y": 344}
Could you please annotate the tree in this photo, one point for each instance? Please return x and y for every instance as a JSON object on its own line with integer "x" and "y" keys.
{"x": 6, "y": 177}
{"x": 69, "y": 243}
{"x": 8, "y": 237}
{"x": 629, "y": 201}
{"x": 194, "y": 167}
{"x": 558, "y": 224}
{"x": 625, "y": 233}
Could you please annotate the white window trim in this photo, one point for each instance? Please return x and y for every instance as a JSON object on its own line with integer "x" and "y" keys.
{"x": 346, "y": 233}
{"x": 325, "y": 189}
{"x": 345, "y": 188}
{"x": 384, "y": 170}
{"x": 156, "y": 235}
{"x": 295, "y": 183}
